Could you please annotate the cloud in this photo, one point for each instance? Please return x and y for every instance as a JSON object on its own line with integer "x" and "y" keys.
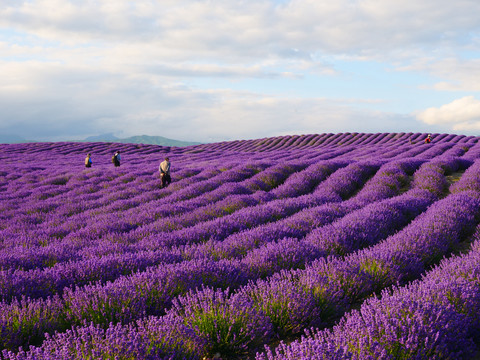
{"x": 456, "y": 74}
{"x": 461, "y": 114}
{"x": 249, "y": 29}
{"x": 61, "y": 101}
{"x": 76, "y": 68}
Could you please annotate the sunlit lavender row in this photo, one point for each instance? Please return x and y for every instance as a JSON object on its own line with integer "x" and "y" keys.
{"x": 290, "y": 247}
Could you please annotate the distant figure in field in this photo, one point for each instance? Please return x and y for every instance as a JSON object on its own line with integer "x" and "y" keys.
{"x": 116, "y": 159}
{"x": 88, "y": 160}
{"x": 164, "y": 170}
{"x": 428, "y": 139}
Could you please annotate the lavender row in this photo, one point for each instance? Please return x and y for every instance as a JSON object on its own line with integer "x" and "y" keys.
{"x": 275, "y": 143}
{"x": 107, "y": 222}
{"x": 390, "y": 179}
{"x": 41, "y": 283}
{"x": 330, "y": 286}
{"x": 205, "y": 208}
{"x": 89, "y": 303}
{"x": 285, "y": 304}
{"x": 342, "y": 183}
{"x": 204, "y": 322}
{"x": 435, "y": 318}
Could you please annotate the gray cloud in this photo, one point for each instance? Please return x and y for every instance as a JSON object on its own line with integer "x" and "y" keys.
{"x": 233, "y": 30}
{"x": 73, "y": 69}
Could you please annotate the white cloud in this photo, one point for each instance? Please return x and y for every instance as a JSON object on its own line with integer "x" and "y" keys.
{"x": 459, "y": 115}
{"x": 76, "y": 101}
{"x": 456, "y": 74}
{"x": 83, "y": 67}
{"x": 250, "y": 28}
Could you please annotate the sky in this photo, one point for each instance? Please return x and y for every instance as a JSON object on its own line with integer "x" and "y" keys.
{"x": 222, "y": 70}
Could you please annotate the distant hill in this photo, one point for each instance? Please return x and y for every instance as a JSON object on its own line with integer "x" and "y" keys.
{"x": 156, "y": 140}
{"x": 11, "y": 139}
{"x": 141, "y": 139}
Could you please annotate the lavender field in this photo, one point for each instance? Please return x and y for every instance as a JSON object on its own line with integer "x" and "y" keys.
{"x": 329, "y": 246}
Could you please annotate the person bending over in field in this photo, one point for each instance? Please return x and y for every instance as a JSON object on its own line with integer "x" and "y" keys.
{"x": 164, "y": 170}
{"x": 88, "y": 161}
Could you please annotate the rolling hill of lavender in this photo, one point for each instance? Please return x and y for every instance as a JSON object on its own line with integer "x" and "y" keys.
{"x": 328, "y": 246}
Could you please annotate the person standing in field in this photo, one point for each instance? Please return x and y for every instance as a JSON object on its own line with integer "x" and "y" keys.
{"x": 428, "y": 139}
{"x": 88, "y": 160}
{"x": 116, "y": 159}
{"x": 164, "y": 170}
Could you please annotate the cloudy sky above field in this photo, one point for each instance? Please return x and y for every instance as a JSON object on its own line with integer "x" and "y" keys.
{"x": 209, "y": 70}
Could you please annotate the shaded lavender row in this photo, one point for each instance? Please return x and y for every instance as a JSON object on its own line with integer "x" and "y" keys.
{"x": 90, "y": 303}
{"x": 44, "y": 255}
{"x": 341, "y": 184}
{"x": 115, "y": 225}
{"x": 40, "y": 283}
{"x": 470, "y": 181}
{"x": 400, "y": 258}
{"x": 206, "y": 321}
{"x": 387, "y": 182}
{"x": 111, "y": 222}
{"x": 203, "y": 209}
{"x": 435, "y": 318}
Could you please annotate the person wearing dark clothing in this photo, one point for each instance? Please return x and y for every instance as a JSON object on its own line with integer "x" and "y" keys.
{"x": 88, "y": 161}
{"x": 116, "y": 159}
{"x": 164, "y": 170}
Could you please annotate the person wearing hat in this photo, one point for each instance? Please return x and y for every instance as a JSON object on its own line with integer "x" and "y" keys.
{"x": 428, "y": 140}
{"x": 164, "y": 170}
{"x": 88, "y": 160}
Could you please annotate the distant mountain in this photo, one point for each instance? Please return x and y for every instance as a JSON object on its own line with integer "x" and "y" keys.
{"x": 157, "y": 140}
{"x": 141, "y": 139}
{"x": 11, "y": 139}
{"x": 109, "y": 137}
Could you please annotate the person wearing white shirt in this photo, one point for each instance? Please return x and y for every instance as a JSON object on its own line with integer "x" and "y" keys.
{"x": 164, "y": 170}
